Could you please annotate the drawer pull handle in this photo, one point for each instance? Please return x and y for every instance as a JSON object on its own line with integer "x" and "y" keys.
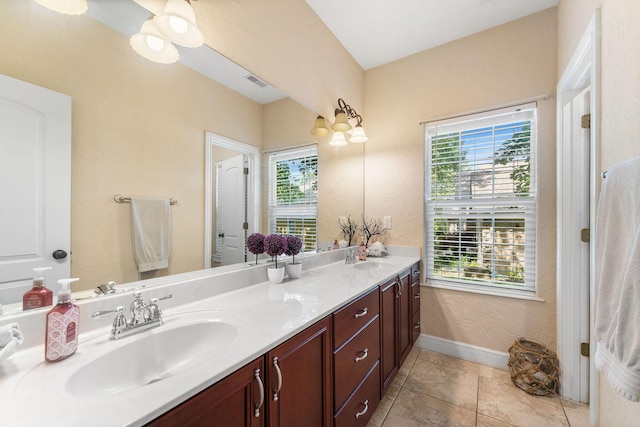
{"x": 256, "y": 412}
{"x": 365, "y": 353}
{"x": 417, "y": 326}
{"x": 361, "y": 313}
{"x": 416, "y": 296}
{"x": 279, "y": 373}
{"x": 364, "y": 411}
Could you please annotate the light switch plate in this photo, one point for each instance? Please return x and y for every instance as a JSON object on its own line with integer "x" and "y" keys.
{"x": 387, "y": 223}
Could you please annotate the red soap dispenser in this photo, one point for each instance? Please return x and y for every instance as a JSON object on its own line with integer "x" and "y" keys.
{"x": 61, "y": 339}
{"x": 39, "y": 295}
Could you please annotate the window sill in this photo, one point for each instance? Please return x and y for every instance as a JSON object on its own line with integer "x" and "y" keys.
{"x": 525, "y": 295}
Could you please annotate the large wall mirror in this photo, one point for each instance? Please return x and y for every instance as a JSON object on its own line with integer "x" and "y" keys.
{"x": 139, "y": 129}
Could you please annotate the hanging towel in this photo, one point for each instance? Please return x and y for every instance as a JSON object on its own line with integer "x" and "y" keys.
{"x": 10, "y": 333}
{"x": 617, "y": 299}
{"x": 151, "y": 229}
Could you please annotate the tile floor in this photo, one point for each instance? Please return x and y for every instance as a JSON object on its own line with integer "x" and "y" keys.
{"x": 432, "y": 389}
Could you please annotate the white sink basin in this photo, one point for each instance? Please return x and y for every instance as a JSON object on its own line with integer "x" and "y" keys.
{"x": 171, "y": 349}
{"x": 371, "y": 265}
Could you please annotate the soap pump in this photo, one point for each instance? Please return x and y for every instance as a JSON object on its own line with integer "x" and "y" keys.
{"x": 61, "y": 339}
{"x": 39, "y": 295}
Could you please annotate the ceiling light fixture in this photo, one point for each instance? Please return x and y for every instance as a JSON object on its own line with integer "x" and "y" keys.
{"x": 152, "y": 45}
{"x": 344, "y": 112}
{"x": 178, "y": 23}
{"x": 68, "y": 7}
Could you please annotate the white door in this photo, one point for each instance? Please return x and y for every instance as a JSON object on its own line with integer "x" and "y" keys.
{"x": 575, "y": 246}
{"x": 230, "y": 209}
{"x": 35, "y": 186}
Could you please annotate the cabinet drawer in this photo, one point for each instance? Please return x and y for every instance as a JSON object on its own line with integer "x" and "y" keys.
{"x": 351, "y": 318}
{"x": 415, "y": 273}
{"x": 416, "y": 326}
{"x": 354, "y": 360}
{"x": 357, "y": 411}
{"x": 415, "y": 296}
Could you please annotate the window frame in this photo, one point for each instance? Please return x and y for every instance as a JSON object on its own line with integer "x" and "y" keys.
{"x": 306, "y": 209}
{"x": 468, "y": 122}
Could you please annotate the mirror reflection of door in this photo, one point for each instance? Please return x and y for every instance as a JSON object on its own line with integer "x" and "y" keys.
{"x": 35, "y": 168}
{"x": 231, "y": 210}
{"x": 237, "y": 200}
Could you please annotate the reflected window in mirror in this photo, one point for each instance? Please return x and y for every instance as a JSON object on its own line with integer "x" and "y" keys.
{"x": 293, "y": 194}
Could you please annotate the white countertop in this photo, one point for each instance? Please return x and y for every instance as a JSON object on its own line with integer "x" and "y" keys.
{"x": 35, "y": 393}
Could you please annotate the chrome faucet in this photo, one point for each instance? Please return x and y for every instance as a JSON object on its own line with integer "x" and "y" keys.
{"x": 143, "y": 317}
{"x": 351, "y": 256}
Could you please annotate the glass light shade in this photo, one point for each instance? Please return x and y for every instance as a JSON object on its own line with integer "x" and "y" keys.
{"x": 338, "y": 140}
{"x": 69, "y": 7}
{"x": 178, "y": 23}
{"x": 150, "y": 44}
{"x": 320, "y": 127}
{"x": 358, "y": 135}
{"x": 342, "y": 122}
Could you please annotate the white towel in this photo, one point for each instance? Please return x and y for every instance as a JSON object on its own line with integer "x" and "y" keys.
{"x": 151, "y": 229}
{"x": 10, "y": 333}
{"x": 617, "y": 304}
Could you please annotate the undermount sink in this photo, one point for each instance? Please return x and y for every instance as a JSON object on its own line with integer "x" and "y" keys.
{"x": 371, "y": 265}
{"x": 171, "y": 349}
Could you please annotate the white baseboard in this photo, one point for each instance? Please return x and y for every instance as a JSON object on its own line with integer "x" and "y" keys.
{"x": 472, "y": 353}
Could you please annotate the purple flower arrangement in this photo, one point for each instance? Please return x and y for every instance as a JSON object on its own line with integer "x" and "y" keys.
{"x": 274, "y": 245}
{"x": 255, "y": 244}
{"x": 294, "y": 244}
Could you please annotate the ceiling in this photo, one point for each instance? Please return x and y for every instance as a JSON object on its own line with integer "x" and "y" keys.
{"x": 376, "y": 32}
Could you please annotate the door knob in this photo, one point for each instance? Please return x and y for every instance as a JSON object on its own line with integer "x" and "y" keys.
{"x": 59, "y": 254}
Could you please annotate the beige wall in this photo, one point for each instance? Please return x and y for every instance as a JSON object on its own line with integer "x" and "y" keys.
{"x": 620, "y": 109}
{"x": 137, "y": 129}
{"x": 505, "y": 64}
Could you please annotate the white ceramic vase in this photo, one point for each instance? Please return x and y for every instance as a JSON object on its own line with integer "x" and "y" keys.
{"x": 294, "y": 270}
{"x": 276, "y": 275}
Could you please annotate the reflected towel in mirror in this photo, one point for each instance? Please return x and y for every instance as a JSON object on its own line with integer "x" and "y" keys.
{"x": 151, "y": 230}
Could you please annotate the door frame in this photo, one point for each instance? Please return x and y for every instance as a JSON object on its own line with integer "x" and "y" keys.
{"x": 573, "y": 304}
{"x": 253, "y": 155}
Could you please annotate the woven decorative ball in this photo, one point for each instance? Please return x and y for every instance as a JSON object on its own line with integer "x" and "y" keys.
{"x": 534, "y": 368}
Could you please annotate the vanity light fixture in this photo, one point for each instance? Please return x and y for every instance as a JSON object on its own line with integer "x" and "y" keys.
{"x": 320, "y": 127}
{"x": 344, "y": 112}
{"x": 68, "y": 7}
{"x": 178, "y": 23}
{"x": 338, "y": 139}
{"x": 152, "y": 45}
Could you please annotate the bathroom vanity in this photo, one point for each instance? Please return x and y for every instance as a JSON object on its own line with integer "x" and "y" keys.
{"x": 320, "y": 350}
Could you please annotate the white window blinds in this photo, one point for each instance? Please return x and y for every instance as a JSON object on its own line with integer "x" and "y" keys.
{"x": 293, "y": 194}
{"x": 480, "y": 199}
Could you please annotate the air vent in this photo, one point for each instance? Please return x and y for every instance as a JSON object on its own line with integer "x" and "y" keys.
{"x": 254, "y": 79}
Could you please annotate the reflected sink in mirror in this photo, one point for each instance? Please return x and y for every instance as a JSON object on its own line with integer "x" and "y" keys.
{"x": 371, "y": 265}
{"x": 169, "y": 350}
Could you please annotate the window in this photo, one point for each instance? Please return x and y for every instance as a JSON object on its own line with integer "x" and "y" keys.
{"x": 293, "y": 194}
{"x": 480, "y": 200}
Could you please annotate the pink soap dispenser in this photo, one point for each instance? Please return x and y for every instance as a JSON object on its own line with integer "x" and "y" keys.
{"x": 61, "y": 339}
{"x": 39, "y": 295}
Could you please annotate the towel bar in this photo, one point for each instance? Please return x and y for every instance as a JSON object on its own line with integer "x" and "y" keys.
{"x": 121, "y": 199}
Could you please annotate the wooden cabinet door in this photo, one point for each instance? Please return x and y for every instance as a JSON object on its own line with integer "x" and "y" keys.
{"x": 405, "y": 316}
{"x": 232, "y": 402}
{"x": 299, "y": 385}
{"x": 388, "y": 333}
